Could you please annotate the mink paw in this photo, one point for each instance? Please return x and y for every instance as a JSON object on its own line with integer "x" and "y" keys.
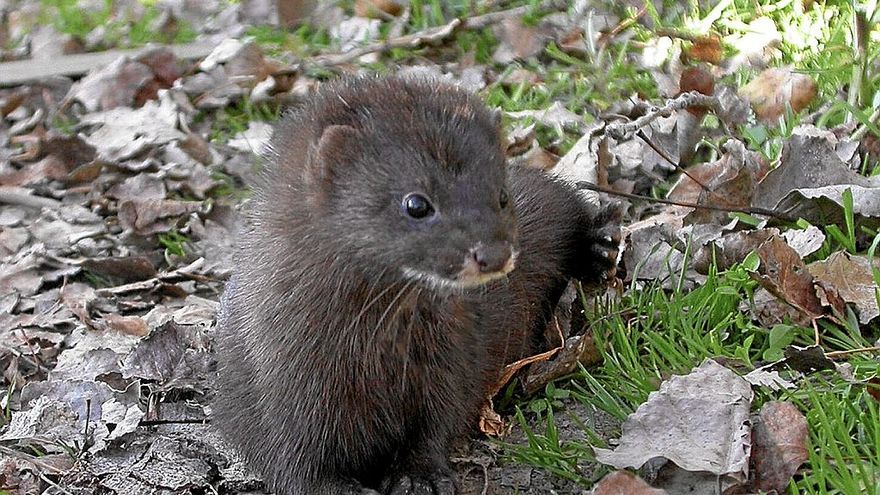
{"x": 600, "y": 248}
{"x": 437, "y": 485}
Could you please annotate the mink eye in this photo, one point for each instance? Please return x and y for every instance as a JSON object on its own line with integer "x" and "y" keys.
{"x": 417, "y": 206}
{"x": 503, "y": 199}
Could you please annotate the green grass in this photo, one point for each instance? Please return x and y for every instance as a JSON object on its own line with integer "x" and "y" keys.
{"x": 653, "y": 333}
{"x": 68, "y": 17}
{"x": 234, "y": 119}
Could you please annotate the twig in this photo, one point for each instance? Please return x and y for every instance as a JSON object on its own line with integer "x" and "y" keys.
{"x": 22, "y": 197}
{"x": 660, "y": 151}
{"x": 840, "y": 354}
{"x": 606, "y": 38}
{"x": 38, "y": 467}
{"x": 750, "y": 211}
{"x": 20, "y": 355}
{"x": 186, "y": 272}
{"x": 431, "y": 35}
{"x": 622, "y": 131}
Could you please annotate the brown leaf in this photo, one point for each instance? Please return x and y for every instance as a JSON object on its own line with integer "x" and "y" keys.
{"x": 775, "y": 88}
{"x": 578, "y": 350}
{"x": 126, "y": 268}
{"x": 491, "y": 423}
{"x": 779, "y": 446}
{"x": 783, "y": 273}
{"x": 853, "y": 278}
{"x": 145, "y": 217}
{"x": 873, "y": 387}
{"x": 732, "y": 248}
{"x": 699, "y": 80}
{"x": 728, "y": 182}
{"x": 625, "y": 483}
{"x": 129, "y": 325}
{"x": 111, "y": 86}
{"x": 518, "y": 41}
{"x": 706, "y": 49}
{"x": 371, "y": 8}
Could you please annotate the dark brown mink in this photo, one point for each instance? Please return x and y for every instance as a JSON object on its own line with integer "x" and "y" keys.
{"x": 393, "y": 263}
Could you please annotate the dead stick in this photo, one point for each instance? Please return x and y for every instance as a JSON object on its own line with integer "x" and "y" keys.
{"x": 622, "y": 131}
{"x": 431, "y": 35}
{"x": 21, "y": 196}
{"x": 840, "y": 354}
{"x": 181, "y": 273}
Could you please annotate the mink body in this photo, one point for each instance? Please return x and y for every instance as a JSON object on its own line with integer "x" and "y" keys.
{"x": 358, "y": 338}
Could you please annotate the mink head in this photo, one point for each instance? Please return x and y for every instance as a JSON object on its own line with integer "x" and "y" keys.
{"x": 407, "y": 177}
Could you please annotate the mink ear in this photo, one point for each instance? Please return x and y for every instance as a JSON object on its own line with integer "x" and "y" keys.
{"x": 335, "y": 147}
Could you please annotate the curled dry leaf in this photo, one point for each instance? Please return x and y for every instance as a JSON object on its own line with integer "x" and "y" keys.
{"x": 145, "y": 217}
{"x": 580, "y": 349}
{"x": 784, "y": 274}
{"x": 776, "y": 88}
{"x": 112, "y": 86}
{"x": 809, "y": 160}
{"x": 779, "y": 446}
{"x": 853, "y": 278}
{"x": 727, "y": 182}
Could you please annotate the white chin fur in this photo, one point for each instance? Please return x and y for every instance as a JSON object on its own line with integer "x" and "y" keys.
{"x": 437, "y": 282}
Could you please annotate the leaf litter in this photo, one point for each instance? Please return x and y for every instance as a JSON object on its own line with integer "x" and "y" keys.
{"x": 115, "y": 243}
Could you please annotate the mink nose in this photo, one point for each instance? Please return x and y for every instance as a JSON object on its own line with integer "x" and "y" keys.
{"x": 493, "y": 258}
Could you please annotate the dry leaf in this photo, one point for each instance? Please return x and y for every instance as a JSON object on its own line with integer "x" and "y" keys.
{"x": 151, "y": 216}
{"x": 776, "y": 88}
{"x": 697, "y": 79}
{"x": 685, "y": 422}
{"x": 371, "y": 8}
{"x": 779, "y": 446}
{"x": 853, "y": 278}
{"x": 624, "y": 483}
{"x": 706, "y": 49}
{"x": 784, "y": 274}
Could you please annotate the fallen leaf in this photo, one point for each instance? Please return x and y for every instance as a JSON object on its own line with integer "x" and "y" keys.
{"x": 853, "y": 278}
{"x": 779, "y": 446}
{"x": 776, "y": 88}
{"x": 804, "y": 241}
{"x": 686, "y": 420}
{"x": 807, "y": 359}
{"x": 727, "y": 182}
{"x": 808, "y": 161}
{"x": 372, "y": 8}
{"x": 145, "y": 217}
{"x": 624, "y": 483}
{"x": 706, "y": 49}
{"x": 516, "y": 41}
{"x": 699, "y": 80}
{"x": 784, "y": 274}
{"x": 124, "y": 132}
{"x": 111, "y": 86}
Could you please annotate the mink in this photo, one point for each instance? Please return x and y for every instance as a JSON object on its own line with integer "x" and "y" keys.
{"x": 393, "y": 262}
